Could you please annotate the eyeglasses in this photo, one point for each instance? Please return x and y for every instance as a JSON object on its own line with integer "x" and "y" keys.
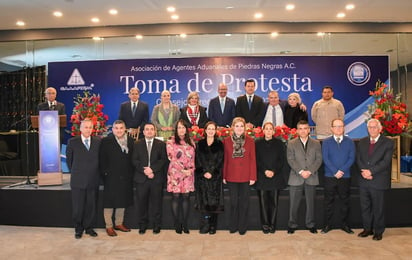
{"x": 337, "y": 126}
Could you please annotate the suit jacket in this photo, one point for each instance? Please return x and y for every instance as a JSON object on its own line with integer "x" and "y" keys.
{"x": 45, "y": 106}
{"x": 202, "y": 117}
{"x": 257, "y": 112}
{"x": 299, "y": 160}
{"x": 379, "y": 162}
{"x": 215, "y": 113}
{"x": 83, "y": 164}
{"x": 158, "y": 161}
{"x": 140, "y": 118}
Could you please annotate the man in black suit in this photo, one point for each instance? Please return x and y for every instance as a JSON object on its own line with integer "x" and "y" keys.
{"x": 374, "y": 159}
{"x": 250, "y": 106}
{"x": 82, "y": 157}
{"x": 222, "y": 109}
{"x": 135, "y": 113}
{"x": 52, "y": 104}
{"x": 150, "y": 163}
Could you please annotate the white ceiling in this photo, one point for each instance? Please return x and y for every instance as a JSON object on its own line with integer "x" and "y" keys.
{"x": 77, "y": 13}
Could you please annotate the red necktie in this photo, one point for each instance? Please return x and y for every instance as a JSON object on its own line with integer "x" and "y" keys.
{"x": 371, "y": 146}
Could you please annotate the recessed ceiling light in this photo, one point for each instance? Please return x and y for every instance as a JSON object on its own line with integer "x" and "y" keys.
{"x": 174, "y": 17}
{"x": 183, "y": 35}
{"x": 20, "y": 23}
{"x": 58, "y": 14}
{"x": 229, "y": 7}
{"x": 274, "y": 34}
{"x": 97, "y": 38}
{"x": 228, "y": 34}
{"x": 290, "y": 7}
{"x": 350, "y": 6}
{"x": 139, "y": 36}
{"x": 95, "y": 20}
{"x": 340, "y": 15}
{"x": 258, "y": 15}
{"x": 113, "y": 11}
{"x": 320, "y": 34}
{"x": 171, "y": 9}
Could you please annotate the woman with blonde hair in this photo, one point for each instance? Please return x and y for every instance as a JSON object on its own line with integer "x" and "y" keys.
{"x": 194, "y": 114}
{"x": 293, "y": 112}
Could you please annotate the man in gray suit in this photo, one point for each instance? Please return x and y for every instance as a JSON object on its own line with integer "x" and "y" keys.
{"x": 304, "y": 156}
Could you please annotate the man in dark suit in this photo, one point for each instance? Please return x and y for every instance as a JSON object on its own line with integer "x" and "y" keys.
{"x": 82, "y": 157}
{"x": 374, "y": 159}
{"x": 52, "y": 104}
{"x": 304, "y": 156}
{"x": 135, "y": 113}
{"x": 150, "y": 165}
{"x": 222, "y": 109}
{"x": 250, "y": 106}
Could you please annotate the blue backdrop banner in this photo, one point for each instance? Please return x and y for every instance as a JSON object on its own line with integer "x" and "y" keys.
{"x": 352, "y": 77}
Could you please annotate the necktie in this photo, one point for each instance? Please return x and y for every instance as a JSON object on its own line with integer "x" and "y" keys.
{"x": 149, "y": 149}
{"x": 338, "y": 141}
{"x": 371, "y": 146}
{"x": 134, "y": 108}
{"x": 250, "y": 102}
{"x": 222, "y": 104}
{"x": 51, "y": 106}
{"x": 86, "y": 143}
{"x": 274, "y": 115}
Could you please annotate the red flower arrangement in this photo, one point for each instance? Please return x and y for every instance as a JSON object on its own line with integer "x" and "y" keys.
{"x": 285, "y": 133}
{"x": 390, "y": 111}
{"x": 88, "y": 107}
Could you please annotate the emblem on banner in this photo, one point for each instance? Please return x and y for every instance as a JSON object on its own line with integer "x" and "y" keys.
{"x": 76, "y": 78}
{"x": 358, "y": 73}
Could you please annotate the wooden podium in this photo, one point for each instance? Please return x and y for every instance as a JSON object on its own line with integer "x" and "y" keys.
{"x": 54, "y": 177}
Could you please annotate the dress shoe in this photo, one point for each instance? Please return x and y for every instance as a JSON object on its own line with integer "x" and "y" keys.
{"x": 326, "y": 229}
{"x": 142, "y": 231}
{"x": 265, "y": 229}
{"x": 377, "y": 237}
{"x": 178, "y": 229}
{"x": 313, "y": 230}
{"x": 347, "y": 229}
{"x": 212, "y": 230}
{"x": 91, "y": 233}
{"x": 186, "y": 230}
{"x": 232, "y": 231}
{"x": 110, "y": 232}
{"x": 156, "y": 230}
{"x": 365, "y": 233}
{"x": 122, "y": 228}
{"x": 242, "y": 233}
{"x": 272, "y": 229}
{"x": 291, "y": 230}
{"x": 78, "y": 235}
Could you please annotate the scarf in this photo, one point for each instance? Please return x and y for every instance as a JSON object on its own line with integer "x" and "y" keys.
{"x": 193, "y": 113}
{"x": 123, "y": 143}
{"x": 238, "y": 143}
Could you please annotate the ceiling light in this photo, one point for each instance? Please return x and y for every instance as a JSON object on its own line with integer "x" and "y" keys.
{"x": 95, "y": 20}
{"x": 20, "y": 23}
{"x": 183, "y": 35}
{"x": 258, "y": 15}
{"x": 139, "y": 36}
{"x": 174, "y": 17}
{"x": 290, "y": 7}
{"x": 274, "y": 34}
{"x": 340, "y": 15}
{"x": 320, "y": 34}
{"x": 229, "y": 7}
{"x": 113, "y": 11}
{"x": 97, "y": 38}
{"x": 171, "y": 9}
{"x": 350, "y": 6}
{"x": 58, "y": 14}
{"x": 228, "y": 34}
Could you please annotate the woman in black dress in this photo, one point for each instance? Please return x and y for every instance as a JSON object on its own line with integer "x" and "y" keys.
{"x": 293, "y": 112}
{"x": 208, "y": 179}
{"x": 271, "y": 176}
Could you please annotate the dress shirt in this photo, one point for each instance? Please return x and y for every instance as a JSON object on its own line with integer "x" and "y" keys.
{"x": 279, "y": 115}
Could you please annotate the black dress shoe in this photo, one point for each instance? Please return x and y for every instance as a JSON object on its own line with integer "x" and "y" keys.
{"x": 233, "y": 231}
{"x": 156, "y": 230}
{"x": 377, "y": 237}
{"x": 313, "y": 230}
{"x": 291, "y": 230}
{"x": 347, "y": 229}
{"x": 91, "y": 233}
{"x": 178, "y": 229}
{"x": 142, "y": 231}
{"x": 326, "y": 229}
{"x": 186, "y": 230}
{"x": 265, "y": 229}
{"x": 78, "y": 235}
{"x": 365, "y": 233}
{"x": 242, "y": 233}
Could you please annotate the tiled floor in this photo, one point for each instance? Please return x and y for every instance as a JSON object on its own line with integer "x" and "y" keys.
{"x": 59, "y": 243}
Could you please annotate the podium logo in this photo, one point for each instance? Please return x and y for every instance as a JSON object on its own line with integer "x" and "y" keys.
{"x": 76, "y": 78}
{"x": 358, "y": 73}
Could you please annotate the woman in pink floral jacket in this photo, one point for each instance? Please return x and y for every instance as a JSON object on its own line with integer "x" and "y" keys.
{"x": 180, "y": 176}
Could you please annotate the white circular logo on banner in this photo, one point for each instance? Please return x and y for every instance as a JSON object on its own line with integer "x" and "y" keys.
{"x": 358, "y": 73}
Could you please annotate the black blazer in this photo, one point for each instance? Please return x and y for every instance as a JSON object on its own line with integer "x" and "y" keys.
{"x": 83, "y": 164}
{"x": 202, "y": 118}
{"x": 215, "y": 113}
{"x": 140, "y": 118}
{"x": 257, "y": 112}
{"x": 45, "y": 106}
{"x": 379, "y": 162}
{"x": 158, "y": 160}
